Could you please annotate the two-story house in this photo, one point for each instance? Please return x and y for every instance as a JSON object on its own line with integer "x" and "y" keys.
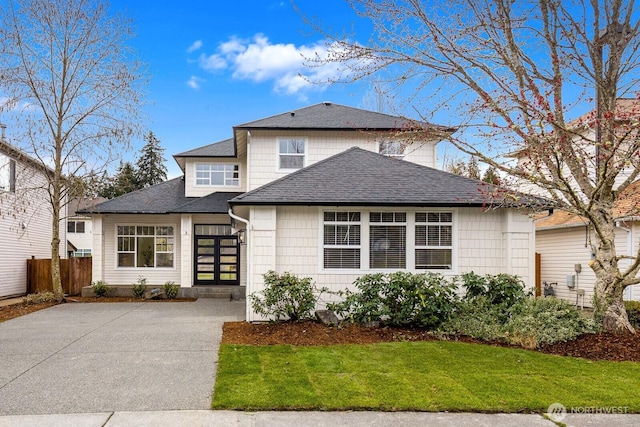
{"x": 327, "y": 191}
{"x": 80, "y": 227}
{"x": 25, "y": 217}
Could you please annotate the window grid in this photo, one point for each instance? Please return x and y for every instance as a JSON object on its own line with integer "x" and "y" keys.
{"x": 210, "y": 174}
{"x": 388, "y": 240}
{"x": 145, "y": 246}
{"x": 342, "y": 240}
{"x": 434, "y": 240}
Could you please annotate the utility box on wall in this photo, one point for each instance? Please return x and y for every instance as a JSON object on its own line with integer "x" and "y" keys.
{"x": 571, "y": 281}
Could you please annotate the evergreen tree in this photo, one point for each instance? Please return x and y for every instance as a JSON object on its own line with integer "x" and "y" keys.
{"x": 151, "y": 169}
{"x": 473, "y": 169}
{"x": 123, "y": 182}
{"x": 491, "y": 176}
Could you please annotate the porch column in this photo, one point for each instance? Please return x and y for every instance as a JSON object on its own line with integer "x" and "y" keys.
{"x": 186, "y": 251}
{"x": 97, "y": 249}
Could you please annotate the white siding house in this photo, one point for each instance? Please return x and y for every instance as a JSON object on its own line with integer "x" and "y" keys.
{"x": 326, "y": 191}
{"x": 25, "y": 218}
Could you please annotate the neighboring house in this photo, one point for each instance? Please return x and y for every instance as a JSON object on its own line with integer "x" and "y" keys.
{"x": 79, "y": 227}
{"x": 25, "y": 217}
{"x": 326, "y": 191}
{"x": 562, "y": 239}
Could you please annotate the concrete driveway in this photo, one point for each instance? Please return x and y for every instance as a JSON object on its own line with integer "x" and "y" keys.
{"x": 106, "y": 357}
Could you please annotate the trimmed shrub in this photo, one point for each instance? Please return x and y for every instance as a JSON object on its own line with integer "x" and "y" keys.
{"x": 286, "y": 297}
{"x": 39, "y": 298}
{"x": 398, "y": 299}
{"x": 633, "y": 312}
{"x": 499, "y": 289}
{"x": 170, "y": 290}
{"x": 538, "y": 321}
{"x": 140, "y": 288}
{"x": 101, "y": 288}
{"x": 477, "y": 318}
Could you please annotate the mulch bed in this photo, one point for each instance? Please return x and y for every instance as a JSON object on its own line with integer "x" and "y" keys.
{"x": 603, "y": 346}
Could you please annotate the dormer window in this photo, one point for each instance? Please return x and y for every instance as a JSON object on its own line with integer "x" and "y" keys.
{"x": 291, "y": 153}
{"x": 392, "y": 149}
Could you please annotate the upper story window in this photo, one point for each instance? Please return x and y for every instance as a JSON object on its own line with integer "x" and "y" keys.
{"x": 291, "y": 153}
{"x": 7, "y": 174}
{"x": 75, "y": 227}
{"x": 217, "y": 174}
{"x": 392, "y": 149}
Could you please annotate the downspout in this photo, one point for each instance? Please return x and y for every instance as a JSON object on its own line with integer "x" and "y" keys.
{"x": 629, "y": 247}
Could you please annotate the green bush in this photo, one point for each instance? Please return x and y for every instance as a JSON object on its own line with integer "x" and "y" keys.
{"x": 39, "y": 298}
{"x": 537, "y": 321}
{"x": 140, "y": 288}
{"x": 286, "y": 297}
{"x": 101, "y": 288}
{"x": 633, "y": 312}
{"x": 398, "y": 299}
{"x": 477, "y": 318}
{"x": 499, "y": 289}
{"x": 170, "y": 290}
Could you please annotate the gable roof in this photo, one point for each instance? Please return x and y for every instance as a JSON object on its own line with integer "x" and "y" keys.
{"x": 332, "y": 116}
{"x": 626, "y": 206}
{"x": 164, "y": 198}
{"x": 357, "y": 177}
{"x": 224, "y": 148}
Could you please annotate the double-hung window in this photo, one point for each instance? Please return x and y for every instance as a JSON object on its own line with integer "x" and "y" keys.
{"x": 392, "y": 149}
{"x": 291, "y": 153}
{"x": 75, "y": 227}
{"x": 342, "y": 240}
{"x": 145, "y": 246}
{"x": 217, "y": 174}
{"x": 387, "y": 240}
{"x": 434, "y": 240}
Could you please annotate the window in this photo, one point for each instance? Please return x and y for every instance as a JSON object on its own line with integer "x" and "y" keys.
{"x": 434, "y": 240}
{"x": 80, "y": 253}
{"x": 7, "y": 174}
{"x": 145, "y": 246}
{"x": 291, "y": 153}
{"x": 342, "y": 240}
{"x": 210, "y": 174}
{"x": 75, "y": 226}
{"x": 387, "y": 240}
{"x": 391, "y": 149}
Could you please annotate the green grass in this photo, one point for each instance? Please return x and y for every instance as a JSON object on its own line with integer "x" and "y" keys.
{"x": 423, "y": 376}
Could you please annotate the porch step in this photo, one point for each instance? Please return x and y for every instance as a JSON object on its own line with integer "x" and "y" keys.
{"x": 222, "y": 292}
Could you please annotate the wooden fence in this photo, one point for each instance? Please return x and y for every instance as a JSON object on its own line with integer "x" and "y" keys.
{"x": 75, "y": 273}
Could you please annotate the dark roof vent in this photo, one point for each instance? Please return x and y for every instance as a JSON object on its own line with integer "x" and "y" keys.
{"x": 326, "y": 103}
{"x": 293, "y": 113}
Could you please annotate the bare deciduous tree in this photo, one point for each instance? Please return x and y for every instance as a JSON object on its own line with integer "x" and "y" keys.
{"x": 71, "y": 88}
{"x": 515, "y": 75}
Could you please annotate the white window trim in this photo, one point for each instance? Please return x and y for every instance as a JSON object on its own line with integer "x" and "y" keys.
{"x": 394, "y": 156}
{"x": 323, "y": 246}
{"x": 195, "y": 175}
{"x": 176, "y": 236}
{"x": 453, "y": 246}
{"x": 304, "y": 155}
{"x": 410, "y": 236}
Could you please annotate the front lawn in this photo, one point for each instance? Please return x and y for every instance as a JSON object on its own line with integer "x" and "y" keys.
{"x": 423, "y": 376}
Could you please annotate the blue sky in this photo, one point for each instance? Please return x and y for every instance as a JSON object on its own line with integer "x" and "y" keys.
{"x": 216, "y": 64}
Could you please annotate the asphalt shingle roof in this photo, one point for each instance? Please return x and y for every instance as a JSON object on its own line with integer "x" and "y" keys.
{"x": 357, "y": 177}
{"x": 334, "y": 116}
{"x": 223, "y": 148}
{"x": 166, "y": 197}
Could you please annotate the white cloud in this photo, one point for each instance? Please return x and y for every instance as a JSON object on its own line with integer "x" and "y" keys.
{"x": 196, "y": 45}
{"x": 283, "y": 64}
{"x": 195, "y": 82}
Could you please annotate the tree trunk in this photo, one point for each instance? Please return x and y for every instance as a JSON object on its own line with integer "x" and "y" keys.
{"x": 56, "y": 279}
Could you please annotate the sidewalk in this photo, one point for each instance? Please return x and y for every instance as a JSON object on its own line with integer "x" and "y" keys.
{"x": 312, "y": 419}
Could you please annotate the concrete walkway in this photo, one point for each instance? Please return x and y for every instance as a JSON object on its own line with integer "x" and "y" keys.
{"x": 107, "y": 357}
